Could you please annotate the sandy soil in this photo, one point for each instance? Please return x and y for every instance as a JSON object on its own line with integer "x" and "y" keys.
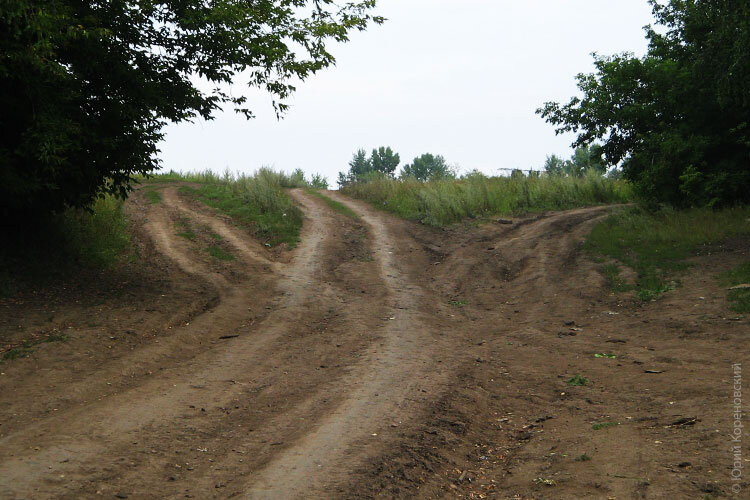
{"x": 379, "y": 358}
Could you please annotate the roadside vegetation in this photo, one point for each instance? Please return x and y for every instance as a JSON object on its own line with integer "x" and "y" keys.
{"x": 59, "y": 246}
{"x": 257, "y": 202}
{"x": 657, "y": 245}
{"x": 474, "y": 195}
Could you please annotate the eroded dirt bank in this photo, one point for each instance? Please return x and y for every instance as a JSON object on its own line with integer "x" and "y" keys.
{"x": 378, "y": 359}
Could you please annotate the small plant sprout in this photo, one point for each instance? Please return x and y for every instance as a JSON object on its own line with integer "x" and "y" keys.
{"x": 576, "y": 380}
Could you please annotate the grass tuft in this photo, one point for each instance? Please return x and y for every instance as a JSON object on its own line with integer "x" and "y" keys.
{"x": 604, "y": 425}
{"x": 577, "y": 380}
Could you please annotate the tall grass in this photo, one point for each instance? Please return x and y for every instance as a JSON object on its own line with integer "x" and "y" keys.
{"x": 256, "y": 201}
{"x": 294, "y": 180}
{"x": 442, "y": 202}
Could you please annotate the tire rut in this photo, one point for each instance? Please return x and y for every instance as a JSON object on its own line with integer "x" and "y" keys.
{"x": 76, "y": 438}
{"x": 378, "y": 388}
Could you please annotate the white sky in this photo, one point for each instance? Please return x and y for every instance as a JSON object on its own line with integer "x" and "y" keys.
{"x": 460, "y": 78}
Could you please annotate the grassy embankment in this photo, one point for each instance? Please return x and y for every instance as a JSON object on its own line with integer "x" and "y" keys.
{"x": 657, "y": 247}
{"x": 443, "y": 202}
{"x": 257, "y": 202}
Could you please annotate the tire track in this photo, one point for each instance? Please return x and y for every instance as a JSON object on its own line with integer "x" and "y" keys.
{"x": 75, "y": 439}
{"x": 379, "y": 388}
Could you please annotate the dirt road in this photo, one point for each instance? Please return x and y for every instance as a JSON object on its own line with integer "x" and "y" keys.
{"x": 377, "y": 359}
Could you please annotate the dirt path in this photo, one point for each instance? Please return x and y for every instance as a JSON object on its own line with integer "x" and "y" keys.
{"x": 377, "y": 387}
{"x": 378, "y": 359}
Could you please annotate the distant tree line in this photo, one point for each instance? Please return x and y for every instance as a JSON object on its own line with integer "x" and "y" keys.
{"x": 383, "y": 162}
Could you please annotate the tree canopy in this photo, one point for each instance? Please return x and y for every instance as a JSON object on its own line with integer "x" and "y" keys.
{"x": 676, "y": 118}
{"x": 86, "y": 87}
{"x": 428, "y": 167}
{"x": 585, "y": 159}
{"x": 382, "y": 161}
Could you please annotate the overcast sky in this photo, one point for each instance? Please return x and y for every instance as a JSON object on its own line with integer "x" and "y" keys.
{"x": 460, "y": 78}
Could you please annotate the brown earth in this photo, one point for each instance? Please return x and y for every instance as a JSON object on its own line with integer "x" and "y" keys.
{"x": 380, "y": 358}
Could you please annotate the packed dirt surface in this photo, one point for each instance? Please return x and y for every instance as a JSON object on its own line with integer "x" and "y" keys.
{"x": 379, "y": 358}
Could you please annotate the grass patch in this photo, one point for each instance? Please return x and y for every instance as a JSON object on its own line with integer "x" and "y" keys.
{"x": 583, "y": 458}
{"x": 605, "y": 355}
{"x": 219, "y": 253}
{"x": 577, "y": 380}
{"x": 740, "y": 298}
{"x": 442, "y": 202}
{"x": 256, "y": 202}
{"x": 657, "y": 245}
{"x": 616, "y": 282}
{"x": 458, "y": 303}
{"x": 188, "y": 235}
{"x": 44, "y": 250}
{"x": 334, "y": 205}
{"x": 26, "y": 348}
{"x": 604, "y": 425}
{"x": 152, "y": 196}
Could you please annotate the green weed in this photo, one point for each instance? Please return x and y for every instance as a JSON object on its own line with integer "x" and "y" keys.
{"x": 577, "y": 380}
{"x": 458, "y": 303}
{"x": 604, "y": 425}
{"x": 583, "y": 458}
{"x": 604, "y": 355}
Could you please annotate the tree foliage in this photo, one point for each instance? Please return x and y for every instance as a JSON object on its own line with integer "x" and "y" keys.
{"x": 428, "y": 167}
{"x": 585, "y": 159}
{"x": 676, "y": 118}
{"x": 86, "y": 87}
{"x": 382, "y": 161}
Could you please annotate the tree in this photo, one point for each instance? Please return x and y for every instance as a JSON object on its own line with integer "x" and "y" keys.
{"x": 676, "y": 119}
{"x": 384, "y": 160}
{"x": 554, "y": 165}
{"x": 86, "y": 87}
{"x": 319, "y": 182}
{"x": 428, "y": 167}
